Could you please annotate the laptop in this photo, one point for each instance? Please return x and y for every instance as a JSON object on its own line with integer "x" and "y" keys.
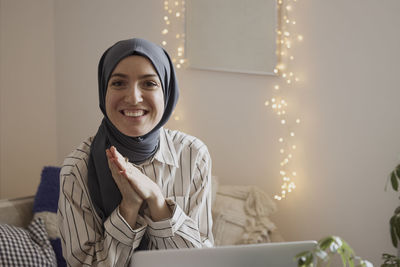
{"x": 255, "y": 255}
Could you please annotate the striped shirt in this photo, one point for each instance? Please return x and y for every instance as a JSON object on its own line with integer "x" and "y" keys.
{"x": 181, "y": 167}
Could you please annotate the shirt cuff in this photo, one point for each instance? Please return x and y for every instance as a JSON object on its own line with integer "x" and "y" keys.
{"x": 167, "y": 227}
{"x": 119, "y": 229}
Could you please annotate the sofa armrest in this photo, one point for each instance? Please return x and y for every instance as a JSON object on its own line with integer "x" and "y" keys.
{"x": 17, "y": 211}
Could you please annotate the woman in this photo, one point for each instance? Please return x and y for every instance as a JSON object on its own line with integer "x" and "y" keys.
{"x": 135, "y": 185}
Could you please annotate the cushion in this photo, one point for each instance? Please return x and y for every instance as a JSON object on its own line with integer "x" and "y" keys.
{"x": 45, "y": 207}
{"x": 26, "y": 247}
{"x": 241, "y": 216}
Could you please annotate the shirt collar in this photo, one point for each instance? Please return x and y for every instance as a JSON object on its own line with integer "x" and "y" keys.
{"x": 166, "y": 152}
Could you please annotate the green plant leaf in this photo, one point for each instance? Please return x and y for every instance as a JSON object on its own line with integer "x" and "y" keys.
{"x": 398, "y": 171}
{"x": 325, "y": 242}
{"x": 394, "y": 181}
{"x": 393, "y": 231}
{"x": 397, "y": 225}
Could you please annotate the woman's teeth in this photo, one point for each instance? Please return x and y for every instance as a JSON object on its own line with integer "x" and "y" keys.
{"x": 135, "y": 113}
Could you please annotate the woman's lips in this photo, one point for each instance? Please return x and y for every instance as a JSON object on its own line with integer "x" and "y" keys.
{"x": 134, "y": 113}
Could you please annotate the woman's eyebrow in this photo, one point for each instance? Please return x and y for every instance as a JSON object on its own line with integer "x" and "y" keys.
{"x": 148, "y": 76}
{"x": 118, "y": 75}
{"x": 144, "y": 76}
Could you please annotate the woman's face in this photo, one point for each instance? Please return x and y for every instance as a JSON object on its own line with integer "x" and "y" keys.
{"x": 134, "y": 98}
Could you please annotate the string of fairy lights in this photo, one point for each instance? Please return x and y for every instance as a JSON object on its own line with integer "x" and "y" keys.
{"x": 173, "y": 32}
{"x": 173, "y": 41}
{"x": 286, "y": 39}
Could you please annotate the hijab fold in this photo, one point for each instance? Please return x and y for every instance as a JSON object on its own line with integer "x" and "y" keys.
{"x": 103, "y": 190}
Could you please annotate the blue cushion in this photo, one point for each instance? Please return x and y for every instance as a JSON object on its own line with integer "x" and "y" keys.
{"x": 46, "y": 200}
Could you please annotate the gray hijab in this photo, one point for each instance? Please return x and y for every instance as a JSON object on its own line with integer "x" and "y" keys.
{"x": 104, "y": 192}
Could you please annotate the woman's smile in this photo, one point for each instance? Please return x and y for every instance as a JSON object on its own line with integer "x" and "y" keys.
{"x": 134, "y": 113}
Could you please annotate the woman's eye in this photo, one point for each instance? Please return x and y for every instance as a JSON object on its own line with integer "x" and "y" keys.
{"x": 150, "y": 84}
{"x": 117, "y": 83}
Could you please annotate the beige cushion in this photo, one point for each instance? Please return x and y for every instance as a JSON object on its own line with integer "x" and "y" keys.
{"x": 241, "y": 216}
{"x": 17, "y": 212}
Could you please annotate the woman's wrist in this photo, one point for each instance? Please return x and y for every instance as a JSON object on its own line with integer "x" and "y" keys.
{"x": 129, "y": 212}
{"x": 158, "y": 207}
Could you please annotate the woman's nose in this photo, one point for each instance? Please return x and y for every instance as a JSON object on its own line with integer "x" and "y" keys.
{"x": 134, "y": 95}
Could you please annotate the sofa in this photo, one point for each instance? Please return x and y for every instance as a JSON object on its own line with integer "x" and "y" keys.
{"x": 240, "y": 214}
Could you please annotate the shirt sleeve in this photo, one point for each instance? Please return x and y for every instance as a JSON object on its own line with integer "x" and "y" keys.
{"x": 85, "y": 240}
{"x": 191, "y": 227}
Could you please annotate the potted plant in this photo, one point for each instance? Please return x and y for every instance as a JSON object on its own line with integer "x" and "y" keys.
{"x": 391, "y": 260}
{"x": 323, "y": 253}
{"x": 333, "y": 245}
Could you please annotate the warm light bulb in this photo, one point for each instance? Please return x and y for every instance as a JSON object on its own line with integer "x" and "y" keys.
{"x": 177, "y": 36}
{"x": 167, "y": 22}
{"x": 281, "y": 67}
{"x": 165, "y": 31}
{"x": 164, "y": 43}
{"x": 276, "y": 87}
{"x": 273, "y": 100}
{"x": 181, "y": 61}
{"x": 288, "y": 7}
{"x": 178, "y": 66}
{"x": 292, "y": 134}
{"x": 165, "y": 18}
{"x": 291, "y": 57}
{"x": 300, "y": 37}
{"x": 177, "y": 118}
{"x": 298, "y": 121}
{"x": 294, "y": 173}
{"x": 281, "y": 140}
{"x": 178, "y": 14}
{"x": 282, "y": 151}
{"x": 293, "y": 147}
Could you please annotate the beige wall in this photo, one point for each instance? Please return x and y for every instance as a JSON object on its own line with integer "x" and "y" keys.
{"x": 27, "y": 94}
{"x": 348, "y": 101}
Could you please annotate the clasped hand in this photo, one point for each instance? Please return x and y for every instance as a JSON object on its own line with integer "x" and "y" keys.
{"x": 135, "y": 187}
